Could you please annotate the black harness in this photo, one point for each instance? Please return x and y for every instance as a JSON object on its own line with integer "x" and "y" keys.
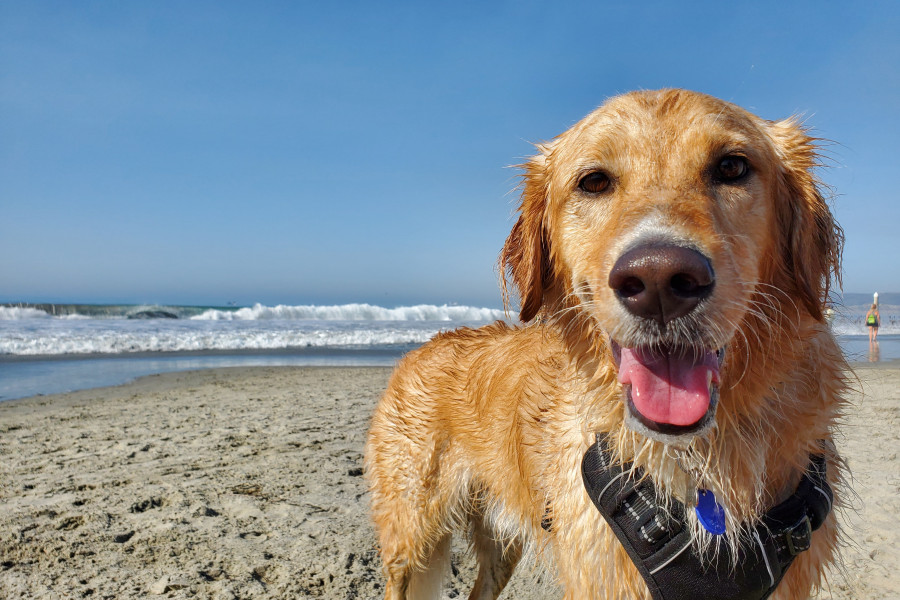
{"x": 658, "y": 540}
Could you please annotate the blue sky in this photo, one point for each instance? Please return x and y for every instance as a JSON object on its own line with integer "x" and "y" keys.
{"x": 312, "y": 152}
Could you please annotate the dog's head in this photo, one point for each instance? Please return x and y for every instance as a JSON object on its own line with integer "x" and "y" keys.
{"x": 668, "y": 219}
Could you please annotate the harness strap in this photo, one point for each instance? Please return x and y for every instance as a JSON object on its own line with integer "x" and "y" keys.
{"x": 658, "y": 541}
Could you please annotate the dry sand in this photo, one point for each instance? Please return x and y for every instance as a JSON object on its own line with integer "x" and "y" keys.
{"x": 246, "y": 483}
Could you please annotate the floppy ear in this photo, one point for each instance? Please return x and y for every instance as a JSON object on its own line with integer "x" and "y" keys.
{"x": 525, "y": 257}
{"x": 811, "y": 240}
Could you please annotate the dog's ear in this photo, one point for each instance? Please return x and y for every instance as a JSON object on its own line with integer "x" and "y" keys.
{"x": 525, "y": 257}
{"x": 811, "y": 240}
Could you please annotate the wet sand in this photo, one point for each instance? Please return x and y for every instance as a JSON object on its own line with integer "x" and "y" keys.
{"x": 247, "y": 483}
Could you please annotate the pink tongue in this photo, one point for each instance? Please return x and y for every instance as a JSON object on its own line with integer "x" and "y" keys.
{"x": 668, "y": 388}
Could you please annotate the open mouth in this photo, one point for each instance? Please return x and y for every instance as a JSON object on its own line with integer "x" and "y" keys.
{"x": 671, "y": 394}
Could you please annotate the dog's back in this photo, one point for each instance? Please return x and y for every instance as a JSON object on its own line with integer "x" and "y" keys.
{"x": 452, "y": 445}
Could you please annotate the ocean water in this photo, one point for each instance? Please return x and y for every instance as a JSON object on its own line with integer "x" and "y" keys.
{"x": 48, "y": 349}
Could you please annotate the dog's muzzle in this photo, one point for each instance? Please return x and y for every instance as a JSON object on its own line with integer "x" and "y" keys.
{"x": 670, "y": 393}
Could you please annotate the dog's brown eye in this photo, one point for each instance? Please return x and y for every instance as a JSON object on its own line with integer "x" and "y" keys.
{"x": 594, "y": 183}
{"x": 732, "y": 168}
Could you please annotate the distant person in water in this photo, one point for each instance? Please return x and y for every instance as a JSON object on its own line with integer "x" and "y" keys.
{"x": 873, "y": 319}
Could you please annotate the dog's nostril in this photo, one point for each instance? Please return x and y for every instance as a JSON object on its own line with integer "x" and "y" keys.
{"x": 631, "y": 286}
{"x": 685, "y": 285}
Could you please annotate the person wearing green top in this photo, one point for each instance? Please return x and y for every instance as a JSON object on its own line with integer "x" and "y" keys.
{"x": 872, "y": 321}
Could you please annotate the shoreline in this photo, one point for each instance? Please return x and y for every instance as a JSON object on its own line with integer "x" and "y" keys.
{"x": 397, "y": 350}
{"x": 246, "y": 482}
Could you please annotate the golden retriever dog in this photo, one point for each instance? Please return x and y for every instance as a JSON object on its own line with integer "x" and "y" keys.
{"x": 672, "y": 258}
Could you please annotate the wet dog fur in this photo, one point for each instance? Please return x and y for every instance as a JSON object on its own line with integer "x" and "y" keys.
{"x": 483, "y": 430}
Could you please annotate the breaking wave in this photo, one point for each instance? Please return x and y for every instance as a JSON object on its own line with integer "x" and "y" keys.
{"x": 257, "y": 312}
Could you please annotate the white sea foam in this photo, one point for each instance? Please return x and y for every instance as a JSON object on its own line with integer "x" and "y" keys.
{"x": 109, "y": 330}
{"x": 15, "y": 313}
{"x": 170, "y": 341}
{"x": 355, "y": 312}
{"x": 260, "y": 312}
{"x": 123, "y": 336}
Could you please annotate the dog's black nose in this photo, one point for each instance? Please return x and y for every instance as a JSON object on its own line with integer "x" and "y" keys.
{"x": 661, "y": 282}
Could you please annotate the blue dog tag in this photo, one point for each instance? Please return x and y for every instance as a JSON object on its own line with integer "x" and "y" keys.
{"x": 710, "y": 513}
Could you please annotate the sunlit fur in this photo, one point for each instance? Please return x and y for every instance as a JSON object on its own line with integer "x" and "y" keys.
{"x": 483, "y": 431}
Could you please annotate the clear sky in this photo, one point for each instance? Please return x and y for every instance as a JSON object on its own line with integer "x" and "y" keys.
{"x": 329, "y": 152}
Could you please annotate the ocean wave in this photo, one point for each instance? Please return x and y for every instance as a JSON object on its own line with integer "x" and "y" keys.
{"x": 16, "y": 313}
{"x": 119, "y": 342}
{"x": 354, "y": 312}
{"x": 257, "y": 312}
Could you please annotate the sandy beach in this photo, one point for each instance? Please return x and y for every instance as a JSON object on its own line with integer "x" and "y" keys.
{"x": 247, "y": 483}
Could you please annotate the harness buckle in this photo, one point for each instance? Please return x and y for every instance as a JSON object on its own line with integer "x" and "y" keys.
{"x": 798, "y": 536}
